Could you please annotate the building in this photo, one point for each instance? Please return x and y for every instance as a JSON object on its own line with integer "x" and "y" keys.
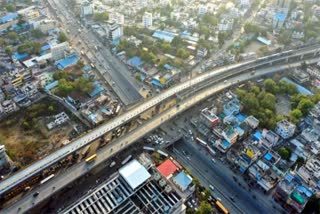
{"x": 9, "y": 106}
{"x": 58, "y": 51}
{"x": 202, "y": 9}
{"x": 4, "y": 160}
{"x": 117, "y": 17}
{"x": 252, "y": 122}
{"x": 209, "y": 118}
{"x": 292, "y": 193}
{"x": 285, "y": 129}
{"x": 278, "y": 20}
{"x": 231, "y": 107}
{"x": 113, "y": 31}
{"x": 183, "y": 181}
{"x": 202, "y": 52}
{"x": 58, "y": 120}
{"x": 300, "y": 76}
{"x": 282, "y": 3}
{"x": 272, "y": 137}
{"x": 87, "y": 9}
{"x": 167, "y": 168}
{"x": 133, "y": 189}
{"x": 147, "y": 20}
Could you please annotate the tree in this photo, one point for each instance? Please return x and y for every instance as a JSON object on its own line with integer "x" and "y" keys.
{"x": 268, "y": 101}
{"x": 9, "y": 50}
{"x": 62, "y": 37}
{"x": 285, "y": 153}
{"x": 13, "y": 36}
{"x": 99, "y": 17}
{"x": 182, "y": 53}
{"x": 210, "y": 19}
{"x": 250, "y": 102}
{"x": 64, "y": 88}
{"x": 80, "y": 64}
{"x": 83, "y": 85}
{"x": 305, "y": 105}
{"x": 295, "y": 115}
{"x": 11, "y": 7}
{"x": 255, "y": 89}
{"x": 204, "y": 208}
{"x": 36, "y": 33}
{"x": 51, "y": 108}
{"x": 271, "y": 86}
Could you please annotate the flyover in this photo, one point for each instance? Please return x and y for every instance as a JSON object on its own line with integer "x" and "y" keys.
{"x": 76, "y": 171}
{"x": 227, "y": 71}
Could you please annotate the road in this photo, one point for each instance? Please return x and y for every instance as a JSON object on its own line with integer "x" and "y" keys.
{"x": 114, "y": 72}
{"x": 120, "y": 120}
{"x": 82, "y": 168}
{"x": 219, "y": 176}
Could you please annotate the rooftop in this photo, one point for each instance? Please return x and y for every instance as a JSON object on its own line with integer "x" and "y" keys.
{"x": 182, "y": 180}
{"x": 134, "y": 174}
{"x": 167, "y": 168}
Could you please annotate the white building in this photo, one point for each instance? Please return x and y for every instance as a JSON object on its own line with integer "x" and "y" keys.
{"x": 58, "y": 51}
{"x": 117, "y": 17}
{"x": 114, "y": 31}
{"x": 285, "y": 129}
{"x": 141, "y": 3}
{"x": 202, "y": 9}
{"x": 225, "y": 25}
{"x": 87, "y": 9}
{"x": 147, "y": 20}
{"x": 4, "y": 160}
{"x": 58, "y": 120}
{"x": 9, "y": 106}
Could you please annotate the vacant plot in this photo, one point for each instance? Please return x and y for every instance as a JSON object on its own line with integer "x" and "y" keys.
{"x": 283, "y": 106}
{"x": 26, "y": 136}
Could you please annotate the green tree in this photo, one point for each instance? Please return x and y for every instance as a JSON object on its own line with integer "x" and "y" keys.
{"x": 182, "y": 53}
{"x": 268, "y": 101}
{"x": 51, "y": 108}
{"x": 100, "y": 17}
{"x": 271, "y": 86}
{"x": 255, "y": 89}
{"x": 295, "y": 100}
{"x": 83, "y": 85}
{"x": 11, "y": 7}
{"x": 305, "y": 105}
{"x": 60, "y": 75}
{"x": 80, "y": 64}
{"x": 204, "y": 208}
{"x": 9, "y": 50}
{"x": 250, "y": 103}
{"x": 3, "y": 42}
{"x": 210, "y": 19}
{"x": 285, "y": 153}
{"x": 295, "y": 115}
{"x": 62, "y": 37}
{"x": 13, "y": 35}
{"x": 36, "y": 33}
{"x": 64, "y": 88}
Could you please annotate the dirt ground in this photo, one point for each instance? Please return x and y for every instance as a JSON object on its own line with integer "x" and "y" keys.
{"x": 253, "y": 47}
{"x": 26, "y": 136}
{"x": 283, "y": 106}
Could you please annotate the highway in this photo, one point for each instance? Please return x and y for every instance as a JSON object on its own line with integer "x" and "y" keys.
{"x": 69, "y": 149}
{"x": 82, "y": 168}
{"x": 114, "y": 72}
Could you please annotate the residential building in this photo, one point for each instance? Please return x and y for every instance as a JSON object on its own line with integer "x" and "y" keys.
{"x": 300, "y": 76}
{"x": 271, "y": 137}
{"x": 4, "y": 159}
{"x": 225, "y": 25}
{"x": 9, "y": 106}
{"x": 285, "y": 129}
{"x": 247, "y": 156}
{"x": 202, "y": 9}
{"x": 147, "y": 20}
{"x": 58, "y": 51}
{"x": 292, "y": 193}
{"x": 230, "y": 134}
{"x": 202, "y": 52}
{"x": 117, "y": 17}
{"x": 282, "y": 3}
{"x": 58, "y": 120}
{"x": 113, "y": 30}
{"x": 252, "y": 122}
{"x": 87, "y": 8}
{"x": 209, "y": 118}
{"x": 231, "y": 107}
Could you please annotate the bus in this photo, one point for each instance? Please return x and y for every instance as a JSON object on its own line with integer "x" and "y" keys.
{"x": 91, "y": 158}
{"x": 47, "y": 179}
{"x": 202, "y": 142}
{"x": 126, "y": 160}
{"x": 260, "y": 80}
{"x": 162, "y": 153}
{"x": 221, "y": 207}
{"x": 241, "y": 86}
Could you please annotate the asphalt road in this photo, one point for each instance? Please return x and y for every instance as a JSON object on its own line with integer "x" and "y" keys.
{"x": 218, "y": 175}
{"x": 116, "y": 74}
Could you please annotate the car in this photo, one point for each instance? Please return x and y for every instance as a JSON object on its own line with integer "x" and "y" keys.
{"x": 213, "y": 160}
{"x": 225, "y": 81}
{"x": 36, "y": 194}
{"x": 188, "y": 158}
{"x": 211, "y": 187}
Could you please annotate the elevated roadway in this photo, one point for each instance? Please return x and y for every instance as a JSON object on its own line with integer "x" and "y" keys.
{"x": 78, "y": 170}
{"x": 224, "y": 72}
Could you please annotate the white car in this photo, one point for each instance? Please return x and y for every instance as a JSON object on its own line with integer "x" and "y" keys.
{"x": 213, "y": 160}
{"x": 211, "y": 187}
